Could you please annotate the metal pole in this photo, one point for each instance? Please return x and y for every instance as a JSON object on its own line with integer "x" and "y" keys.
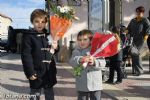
{"x": 88, "y": 2}
{"x": 48, "y": 10}
{"x": 120, "y": 2}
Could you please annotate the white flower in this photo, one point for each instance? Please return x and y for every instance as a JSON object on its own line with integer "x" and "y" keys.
{"x": 62, "y": 10}
{"x": 58, "y": 7}
{"x": 66, "y": 8}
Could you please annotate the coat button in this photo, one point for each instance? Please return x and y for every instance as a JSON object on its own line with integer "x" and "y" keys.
{"x": 46, "y": 61}
{"x": 46, "y": 49}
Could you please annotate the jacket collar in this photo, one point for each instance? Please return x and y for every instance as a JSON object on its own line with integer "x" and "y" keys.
{"x": 34, "y": 32}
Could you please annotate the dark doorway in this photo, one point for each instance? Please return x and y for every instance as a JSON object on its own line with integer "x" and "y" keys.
{"x": 112, "y": 13}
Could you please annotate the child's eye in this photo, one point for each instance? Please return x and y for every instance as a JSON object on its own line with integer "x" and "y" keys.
{"x": 36, "y": 21}
{"x": 43, "y": 21}
{"x": 79, "y": 39}
{"x": 85, "y": 39}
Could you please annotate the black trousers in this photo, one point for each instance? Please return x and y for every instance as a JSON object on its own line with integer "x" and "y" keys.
{"x": 148, "y": 42}
{"x": 115, "y": 66}
{"x": 36, "y": 93}
{"x": 93, "y": 95}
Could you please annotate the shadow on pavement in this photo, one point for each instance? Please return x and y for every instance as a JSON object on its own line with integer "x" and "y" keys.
{"x": 23, "y": 81}
{"x": 9, "y": 56}
{"x": 117, "y": 93}
{"x": 65, "y": 73}
{"x": 16, "y": 89}
{"x": 65, "y": 82}
{"x": 63, "y": 91}
{"x": 14, "y": 67}
{"x": 138, "y": 91}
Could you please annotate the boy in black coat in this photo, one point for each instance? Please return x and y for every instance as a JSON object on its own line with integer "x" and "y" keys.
{"x": 38, "y": 63}
{"x": 115, "y": 62}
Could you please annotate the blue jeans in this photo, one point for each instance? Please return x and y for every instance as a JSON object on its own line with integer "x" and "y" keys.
{"x": 49, "y": 94}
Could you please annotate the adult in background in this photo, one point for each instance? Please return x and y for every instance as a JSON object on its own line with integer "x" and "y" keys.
{"x": 148, "y": 40}
{"x": 138, "y": 28}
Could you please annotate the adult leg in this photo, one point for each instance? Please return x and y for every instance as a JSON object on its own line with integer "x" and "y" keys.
{"x": 111, "y": 72}
{"x": 83, "y": 95}
{"x": 148, "y": 44}
{"x": 95, "y": 95}
{"x": 49, "y": 93}
{"x": 35, "y": 94}
{"x": 137, "y": 64}
{"x": 118, "y": 70}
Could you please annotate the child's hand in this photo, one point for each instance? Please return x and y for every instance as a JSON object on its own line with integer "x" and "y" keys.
{"x": 52, "y": 51}
{"x": 84, "y": 59}
{"x": 91, "y": 60}
{"x": 54, "y": 45}
{"x": 33, "y": 77}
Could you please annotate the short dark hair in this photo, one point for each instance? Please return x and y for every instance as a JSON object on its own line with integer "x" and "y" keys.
{"x": 140, "y": 9}
{"x": 115, "y": 29}
{"x": 85, "y": 32}
{"x": 38, "y": 13}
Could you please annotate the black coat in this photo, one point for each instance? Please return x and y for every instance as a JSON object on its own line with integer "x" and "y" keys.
{"x": 116, "y": 57}
{"x": 148, "y": 42}
{"x": 33, "y": 56}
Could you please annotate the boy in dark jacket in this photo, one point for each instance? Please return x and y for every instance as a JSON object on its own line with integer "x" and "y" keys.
{"x": 115, "y": 62}
{"x": 38, "y": 63}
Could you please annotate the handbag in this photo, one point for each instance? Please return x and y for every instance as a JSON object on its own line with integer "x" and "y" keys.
{"x": 133, "y": 50}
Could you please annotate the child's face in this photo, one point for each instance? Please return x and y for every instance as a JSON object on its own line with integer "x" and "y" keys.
{"x": 84, "y": 41}
{"x": 39, "y": 23}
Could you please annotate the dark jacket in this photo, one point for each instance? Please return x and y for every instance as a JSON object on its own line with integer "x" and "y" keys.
{"x": 116, "y": 57}
{"x": 33, "y": 55}
{"x": 148, "y": 40}
{"x": 138, "y": 30}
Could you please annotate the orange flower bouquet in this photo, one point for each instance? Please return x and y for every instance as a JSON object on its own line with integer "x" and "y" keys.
{"x": 61, "y": 21}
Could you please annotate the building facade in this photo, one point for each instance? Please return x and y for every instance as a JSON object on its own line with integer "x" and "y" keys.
{"x": 100, "y": 15}
{"x": 5, "y": 22}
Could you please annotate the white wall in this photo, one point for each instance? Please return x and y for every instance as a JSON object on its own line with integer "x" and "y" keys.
{"x": 81, "y": 12}
{"x": 129, "y": 7}
{"x": 4, "y": 23}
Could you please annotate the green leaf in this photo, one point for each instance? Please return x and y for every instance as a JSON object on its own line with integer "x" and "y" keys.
{"x": 77, "y": 70}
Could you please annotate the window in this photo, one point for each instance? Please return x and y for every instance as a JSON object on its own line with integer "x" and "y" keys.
{"x": 74, "y": 2}
{"x": 95, "y": 15}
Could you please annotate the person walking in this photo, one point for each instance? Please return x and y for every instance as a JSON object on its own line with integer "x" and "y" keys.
{"x": 139, "y": 29}
{"x": 148, "y": 40}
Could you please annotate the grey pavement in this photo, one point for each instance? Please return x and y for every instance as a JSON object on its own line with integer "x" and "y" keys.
{"x": 14, "y": 85}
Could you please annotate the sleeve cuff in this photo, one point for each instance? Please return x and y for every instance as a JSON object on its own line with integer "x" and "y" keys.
{"x": 78, "y": 59}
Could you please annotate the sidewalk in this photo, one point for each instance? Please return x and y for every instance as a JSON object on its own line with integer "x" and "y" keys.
{"x": 13, "y": 81}
{"x": 132, "y": 88}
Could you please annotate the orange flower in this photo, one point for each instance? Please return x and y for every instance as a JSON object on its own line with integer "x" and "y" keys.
{"x": 59, "y": 26}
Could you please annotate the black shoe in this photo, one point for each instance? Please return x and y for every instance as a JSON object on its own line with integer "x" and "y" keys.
{"x": 109, "y": 82}
{"x": 129, "y": 65}
{"x": 137, "y": 74}
{"x": 118, "y": 82}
